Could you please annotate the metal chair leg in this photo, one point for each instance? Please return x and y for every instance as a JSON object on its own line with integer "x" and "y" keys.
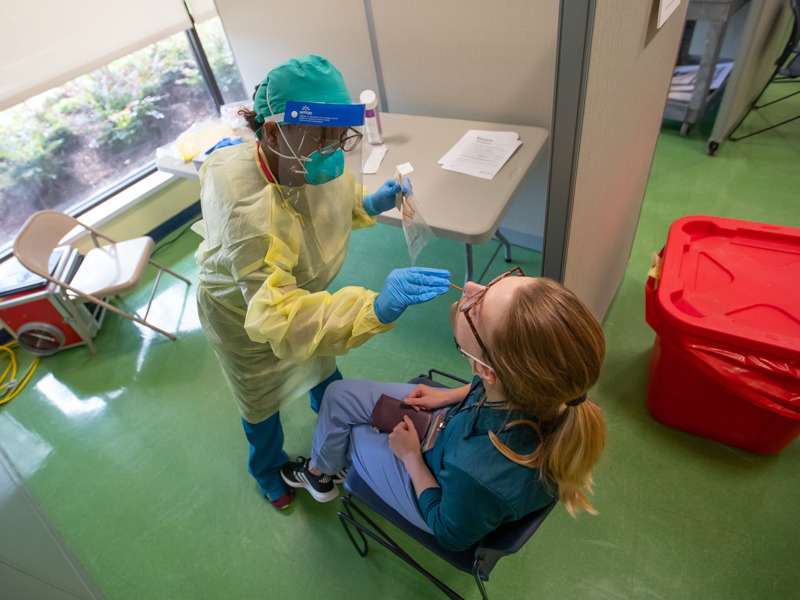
{"x": 476, "y": 573}
{"x": 348, "y": 502}
{"x": 443, "y": 374}
{"x": 77, "y": 323}
{"x": 130, "y": 316}
{"x": 173, "y": 273}
{"x": 152, "y": 295}
{"x": 349, "y": 518}
{"x": 387, "y": 542}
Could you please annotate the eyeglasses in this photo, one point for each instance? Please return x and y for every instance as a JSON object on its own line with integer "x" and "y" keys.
{"x": 348, "y": 140}
{"x": 472, "y": 302}
{"x": 468, "y": 355}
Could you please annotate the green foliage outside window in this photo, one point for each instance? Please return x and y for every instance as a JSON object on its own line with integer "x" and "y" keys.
{"x": 62, "y": 147}
{"x": 117, "y": 104}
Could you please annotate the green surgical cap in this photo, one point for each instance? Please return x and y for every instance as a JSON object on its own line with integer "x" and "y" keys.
{"x": 308, "y": 78}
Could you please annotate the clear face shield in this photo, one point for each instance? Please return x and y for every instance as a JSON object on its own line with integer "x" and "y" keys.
{"x": 318, "y": 145}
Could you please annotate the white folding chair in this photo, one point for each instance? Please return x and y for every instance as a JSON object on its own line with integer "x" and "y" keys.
{"x": 106, "y": 270}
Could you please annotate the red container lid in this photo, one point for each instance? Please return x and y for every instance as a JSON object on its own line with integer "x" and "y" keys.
{"x": 733, "y": 281}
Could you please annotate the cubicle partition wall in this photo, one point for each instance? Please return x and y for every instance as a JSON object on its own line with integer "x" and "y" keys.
{"x": 625, "y": 93}
{"x": 450, "y": 58}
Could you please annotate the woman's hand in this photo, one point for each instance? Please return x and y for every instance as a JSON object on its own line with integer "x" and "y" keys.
{"x": 425, "y": 396}
{"x": 404, "y": 441}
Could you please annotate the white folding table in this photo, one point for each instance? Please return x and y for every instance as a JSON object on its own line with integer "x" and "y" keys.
{"x": 456, "y": 206}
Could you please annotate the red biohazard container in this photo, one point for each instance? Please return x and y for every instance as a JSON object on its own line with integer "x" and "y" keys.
{"x": 726, "y": 360}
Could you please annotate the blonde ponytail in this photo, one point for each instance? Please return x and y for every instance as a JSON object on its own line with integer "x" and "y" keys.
{"x": 573, "y": 450}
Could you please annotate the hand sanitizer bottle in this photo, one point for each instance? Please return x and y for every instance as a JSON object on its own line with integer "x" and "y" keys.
{"x": 372, "y": 120}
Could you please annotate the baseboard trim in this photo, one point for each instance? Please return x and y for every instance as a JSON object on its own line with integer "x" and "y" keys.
{"x": 174, "y": 223}
{"x": 526, "y": 240}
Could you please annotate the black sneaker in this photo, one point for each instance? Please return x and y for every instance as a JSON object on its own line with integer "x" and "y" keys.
{"x": 340, "y": 476}
{"x": 297, "y": 475}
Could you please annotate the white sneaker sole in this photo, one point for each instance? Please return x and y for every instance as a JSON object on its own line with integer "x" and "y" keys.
{"x": 318, "y": 496}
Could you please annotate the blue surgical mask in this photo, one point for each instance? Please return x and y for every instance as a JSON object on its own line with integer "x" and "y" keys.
{"x": 324, "y": 168}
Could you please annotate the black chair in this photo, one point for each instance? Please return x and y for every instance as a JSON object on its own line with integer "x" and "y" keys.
{"x": 479, "y": 560}
{"x": 784, "y": 73}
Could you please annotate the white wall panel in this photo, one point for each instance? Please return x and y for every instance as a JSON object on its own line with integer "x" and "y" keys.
{"x": 467, "y": 59}
{"x": 264, "y": 34}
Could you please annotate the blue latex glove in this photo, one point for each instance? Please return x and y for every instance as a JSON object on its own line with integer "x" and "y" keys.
{"x": 384, "y": 198}
{"x": 225, "y": 142}
{"x": 404, "y": 287}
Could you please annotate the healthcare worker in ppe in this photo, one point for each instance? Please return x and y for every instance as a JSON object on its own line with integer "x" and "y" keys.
{"x": 277, "y": 217}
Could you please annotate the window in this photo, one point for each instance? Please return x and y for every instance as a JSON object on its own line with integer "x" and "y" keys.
{"x": 220, "y": 57}
{"x": 70, "y": 145}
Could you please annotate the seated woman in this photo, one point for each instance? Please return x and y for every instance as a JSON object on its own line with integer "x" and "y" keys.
{"x": 521, "y": 434}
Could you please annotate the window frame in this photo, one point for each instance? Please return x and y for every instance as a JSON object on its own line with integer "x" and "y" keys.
{"x": 7, "y": 250}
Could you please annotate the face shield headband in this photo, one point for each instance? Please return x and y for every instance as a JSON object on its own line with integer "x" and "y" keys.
{"x": 318, "y": 114}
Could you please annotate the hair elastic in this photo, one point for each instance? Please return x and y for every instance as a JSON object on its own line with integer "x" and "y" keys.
{"x": 577, "y": 401}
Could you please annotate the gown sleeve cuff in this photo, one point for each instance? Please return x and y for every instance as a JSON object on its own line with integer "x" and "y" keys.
{"x": 368, "y": 320}
{"x": 361, "y": 219}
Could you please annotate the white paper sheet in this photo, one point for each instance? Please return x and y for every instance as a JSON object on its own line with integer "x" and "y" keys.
{"x": 482, "y": 153}
{"x": 512, "y": 135}
{"x": 665, "y": 9}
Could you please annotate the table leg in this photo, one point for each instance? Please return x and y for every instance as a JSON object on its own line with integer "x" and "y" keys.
{"x": 469, "y": 263}
{"x": 708, "y": 64}
{"x": 506, "y": 243}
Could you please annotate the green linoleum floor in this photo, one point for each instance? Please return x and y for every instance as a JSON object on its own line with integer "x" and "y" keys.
{"x": 138, "y": 456}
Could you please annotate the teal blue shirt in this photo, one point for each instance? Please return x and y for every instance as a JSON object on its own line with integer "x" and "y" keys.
{"x": 480, "y": 488}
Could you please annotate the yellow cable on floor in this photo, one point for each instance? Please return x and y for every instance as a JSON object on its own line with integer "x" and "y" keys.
{"x": 10, "y": 389}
